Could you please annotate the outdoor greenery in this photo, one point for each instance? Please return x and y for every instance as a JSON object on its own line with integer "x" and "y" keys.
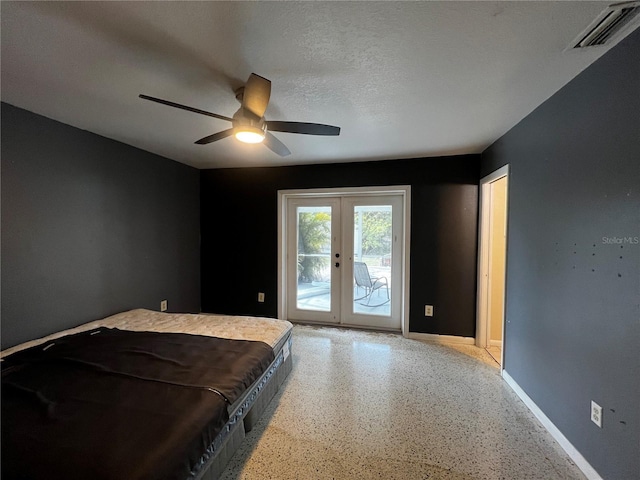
{"x": 376, "y": 233}
{"x": 314, "y": 230}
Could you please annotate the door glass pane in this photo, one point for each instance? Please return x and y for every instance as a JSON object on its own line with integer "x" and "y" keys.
{"x": 314, "y": 258}
{"x": 372, "y": 259}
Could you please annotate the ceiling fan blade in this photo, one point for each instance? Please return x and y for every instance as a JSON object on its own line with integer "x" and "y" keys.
{"x": 276, "y": 145}
{"x": 215, "y": 137}
{"x": 304, "y": 128}
{"x": 256, "y": 94}
{"x": 185, "y": 107}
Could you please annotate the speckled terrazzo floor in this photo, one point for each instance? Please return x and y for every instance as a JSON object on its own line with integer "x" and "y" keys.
{"x": 364, "y": 405}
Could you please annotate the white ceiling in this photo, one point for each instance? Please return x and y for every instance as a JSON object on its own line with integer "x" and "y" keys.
{"x": 402, "y": 79}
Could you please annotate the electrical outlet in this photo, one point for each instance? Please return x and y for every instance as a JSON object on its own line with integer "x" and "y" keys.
{"x": 261, "y": 297}
{"x": 163, "y": 306}
{"x": 596, "y": 413}
{"x": 428, "y": 310}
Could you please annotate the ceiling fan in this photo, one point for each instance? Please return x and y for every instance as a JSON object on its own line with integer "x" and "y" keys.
{"x": 249, "y": 123}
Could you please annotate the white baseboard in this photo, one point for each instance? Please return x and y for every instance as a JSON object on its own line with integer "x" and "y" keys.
{"x": 573, "y": 453}
{"x": 495, "y": 343}
{"x": 431, "y": 337}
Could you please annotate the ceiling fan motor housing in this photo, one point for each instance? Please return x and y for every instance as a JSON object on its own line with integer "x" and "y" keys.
{"x": 239, "y": 93}
{"x": 244, "y": 118}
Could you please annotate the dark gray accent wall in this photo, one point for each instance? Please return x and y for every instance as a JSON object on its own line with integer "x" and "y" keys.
{"x": 239, "y": 234}
{"x": 90, "y": 227}
{"x": 573, "y": 271}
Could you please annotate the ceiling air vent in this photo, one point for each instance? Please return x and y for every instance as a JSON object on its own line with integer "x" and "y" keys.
{"x": 609, "y": 24}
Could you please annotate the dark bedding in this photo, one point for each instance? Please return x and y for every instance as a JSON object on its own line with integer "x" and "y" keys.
{"x": 113, "y": 404}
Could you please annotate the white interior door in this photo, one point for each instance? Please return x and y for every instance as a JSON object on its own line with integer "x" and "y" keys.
{"x": 344, "y": 257}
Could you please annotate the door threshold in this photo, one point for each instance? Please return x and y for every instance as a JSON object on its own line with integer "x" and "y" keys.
{"x": 346, "y": 326}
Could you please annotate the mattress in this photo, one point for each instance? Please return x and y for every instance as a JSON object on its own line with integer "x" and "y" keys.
{"x": 268, "y": 330}
{"x": 216, "y": 443}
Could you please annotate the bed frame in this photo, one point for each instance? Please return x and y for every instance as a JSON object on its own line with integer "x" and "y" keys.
{"x": 245, "y": 413}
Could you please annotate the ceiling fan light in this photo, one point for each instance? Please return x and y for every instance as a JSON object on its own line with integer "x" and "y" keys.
{"x": 249, "y": 134}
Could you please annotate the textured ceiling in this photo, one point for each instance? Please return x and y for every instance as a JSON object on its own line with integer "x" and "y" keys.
{"x": 402, "y": 79}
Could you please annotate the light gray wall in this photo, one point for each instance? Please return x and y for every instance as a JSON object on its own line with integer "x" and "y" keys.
{"x": 90, "y": 227}
{"x": 573, "y": 273}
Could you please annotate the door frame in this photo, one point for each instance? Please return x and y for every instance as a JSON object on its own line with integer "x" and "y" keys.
{"x": 402, "y": 190}
{"x": 484, "y": 242}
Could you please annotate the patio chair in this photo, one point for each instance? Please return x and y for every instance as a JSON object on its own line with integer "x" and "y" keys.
{"x": 369, "y": 283}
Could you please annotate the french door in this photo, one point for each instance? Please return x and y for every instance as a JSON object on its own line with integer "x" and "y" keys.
{"x": 343, "y": 259}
